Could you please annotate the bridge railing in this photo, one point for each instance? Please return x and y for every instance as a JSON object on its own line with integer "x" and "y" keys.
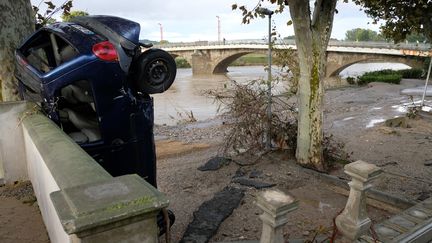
{"x": 360, "y": 44}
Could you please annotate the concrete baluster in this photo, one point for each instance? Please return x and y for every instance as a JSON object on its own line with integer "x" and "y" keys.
{"x": 354, "y": 221}
{"x": 276, "y": 206}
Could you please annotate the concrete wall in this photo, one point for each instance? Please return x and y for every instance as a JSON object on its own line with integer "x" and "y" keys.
{"x": 79, "y": 201}
{"x": 11, "y": 141}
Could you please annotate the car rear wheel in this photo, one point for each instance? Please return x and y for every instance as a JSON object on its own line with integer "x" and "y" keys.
{"x": 154, "y": 71}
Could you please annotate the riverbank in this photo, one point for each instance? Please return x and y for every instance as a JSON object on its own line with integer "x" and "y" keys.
{"x": 354, "y": 115}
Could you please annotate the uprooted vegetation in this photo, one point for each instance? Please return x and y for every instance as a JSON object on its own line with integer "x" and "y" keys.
{"x": 245, "y": 107}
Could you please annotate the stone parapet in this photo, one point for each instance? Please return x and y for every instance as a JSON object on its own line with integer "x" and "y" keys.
{"x": 79, "y": 201}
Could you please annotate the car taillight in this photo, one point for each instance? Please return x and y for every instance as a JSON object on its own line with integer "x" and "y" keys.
{"x": 21, "y": 60}
{"x": 105, "y": 51}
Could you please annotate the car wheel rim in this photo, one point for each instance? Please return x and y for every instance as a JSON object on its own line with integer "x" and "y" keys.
{"x": 157, "y": 72}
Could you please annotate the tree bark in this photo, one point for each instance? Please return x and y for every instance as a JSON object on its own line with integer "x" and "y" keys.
{"x": 17, "y": 22}
{"x": 312, "y": 36}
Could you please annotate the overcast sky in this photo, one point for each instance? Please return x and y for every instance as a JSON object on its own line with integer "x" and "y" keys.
{"x": 194, "y": 20}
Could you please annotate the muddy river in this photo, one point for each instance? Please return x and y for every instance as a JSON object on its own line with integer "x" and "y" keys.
{"x": 187, "y": 93}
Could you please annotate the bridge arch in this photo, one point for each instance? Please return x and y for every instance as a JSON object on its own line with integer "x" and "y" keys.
{"x": 222, "y": 65}
{"x": 337, "y": 62}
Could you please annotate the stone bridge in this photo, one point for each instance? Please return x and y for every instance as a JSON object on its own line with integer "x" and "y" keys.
{"x": 213, "y": 58}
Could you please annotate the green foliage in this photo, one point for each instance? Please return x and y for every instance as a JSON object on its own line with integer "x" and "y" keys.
{"x": 360, "y": 34}
{"x": 385, "y": 76}
{"x": 250, "y": 60}
{"x": 182, "y": 63}
{"x": 350, "y": 80}
{"x": 411, "y": 73}
{"x": 414, "y": 37}
{"x": 401, "y": 17}
{"x": 66, "y": 17}
{"x": 43, "y": 19}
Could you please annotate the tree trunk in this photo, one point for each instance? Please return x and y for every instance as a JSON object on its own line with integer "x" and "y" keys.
{"x": 312, "y": 36}
{"x": 17, "y": 22}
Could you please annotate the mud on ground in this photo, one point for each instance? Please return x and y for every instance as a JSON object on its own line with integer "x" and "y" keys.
{"x": 20, "y": 218}
{"x": 354, "y": 115}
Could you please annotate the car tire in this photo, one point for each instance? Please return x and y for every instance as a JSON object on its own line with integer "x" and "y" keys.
{"x": 154, "y": 71}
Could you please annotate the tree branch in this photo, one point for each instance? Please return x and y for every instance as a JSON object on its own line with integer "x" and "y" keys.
{"x": 323, "y": 19}
{"x": 300, "y": 15}
{"x": 317, "y": 10}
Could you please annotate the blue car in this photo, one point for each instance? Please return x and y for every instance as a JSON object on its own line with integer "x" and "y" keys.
{"x": 94, "y": 78}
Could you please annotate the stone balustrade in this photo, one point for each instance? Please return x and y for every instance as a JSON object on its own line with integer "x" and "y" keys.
{"x": 276, "y": 206}
{"x": 354, "y": 221}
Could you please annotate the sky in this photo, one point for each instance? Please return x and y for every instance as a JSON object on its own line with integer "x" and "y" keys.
{"x": 195, "y": 20}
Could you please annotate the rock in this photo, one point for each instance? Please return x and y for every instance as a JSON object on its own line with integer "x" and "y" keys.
{"x": 252, "y": 183}
{"x": 255, "y": 174}
{"x": 387, "y": 130}
{"x": 428, "y": 162}
{"x": 389, "y": 163}
{"x": 305, "y": 233}
{"x": 423, "y": 196}
{"x": 398, "y": 122}
{"x": 215, "y": 163}
{"x": 240, "y": 172}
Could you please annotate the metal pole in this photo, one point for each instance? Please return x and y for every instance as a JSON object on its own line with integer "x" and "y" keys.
{"x": 426, "y": 83}
{"x": 269, "y": 92}
{"x": 161, "y": 32}
{"x": 219, "y": 29}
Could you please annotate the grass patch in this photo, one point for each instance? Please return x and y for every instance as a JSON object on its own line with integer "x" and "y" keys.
{"x": 385, "y": 76}
{"x": 411, "y": 73}
{"x": 250, "y": 60}
{"x": 389, "y": 76}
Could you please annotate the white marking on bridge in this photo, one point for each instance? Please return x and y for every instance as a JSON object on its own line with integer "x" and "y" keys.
{"x": 395, "y": 50}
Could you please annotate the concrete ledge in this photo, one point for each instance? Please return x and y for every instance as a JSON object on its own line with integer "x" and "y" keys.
{"x": 67, "y": 162}
{"x": 97, "y": 204}
{"x": 79, "y": 201}
{"x": 12, "y": 154}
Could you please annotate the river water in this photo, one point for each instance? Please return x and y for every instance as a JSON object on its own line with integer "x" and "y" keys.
{"x": 187, "y": 94}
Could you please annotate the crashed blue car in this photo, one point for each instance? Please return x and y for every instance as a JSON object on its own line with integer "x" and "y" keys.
{"x": 93, "y": 78}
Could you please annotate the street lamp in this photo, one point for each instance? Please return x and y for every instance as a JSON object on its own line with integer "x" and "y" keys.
{"x": 161, "y": 31}
{"x": 219, "y": 29}
{"x": 265, "y": 11}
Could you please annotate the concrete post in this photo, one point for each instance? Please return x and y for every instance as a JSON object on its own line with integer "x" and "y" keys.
{"x": 276, "y": 206}
{"x": 354, "y": 221}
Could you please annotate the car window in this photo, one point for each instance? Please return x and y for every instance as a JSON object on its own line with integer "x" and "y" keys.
{"x": 47, "y": 50}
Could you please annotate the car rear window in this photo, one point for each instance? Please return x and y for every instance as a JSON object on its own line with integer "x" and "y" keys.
{"x": 47, "y": 50}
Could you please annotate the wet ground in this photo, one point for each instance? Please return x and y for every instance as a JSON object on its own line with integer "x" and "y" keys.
{"x": 20, "y": 218}
{"x": 354, "y": 115}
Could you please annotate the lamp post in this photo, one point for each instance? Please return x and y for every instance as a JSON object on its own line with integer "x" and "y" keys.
{"x": 219, "y": 29}
{"x": 265, "y": 11}
{"x": 161, "y": 31}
